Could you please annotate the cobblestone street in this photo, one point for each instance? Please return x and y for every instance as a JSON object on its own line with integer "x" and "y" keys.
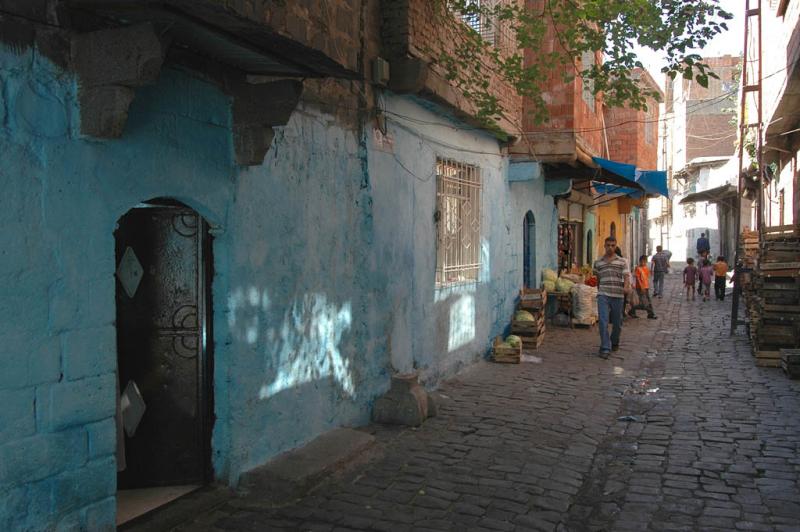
{"x": 679, "y": 430}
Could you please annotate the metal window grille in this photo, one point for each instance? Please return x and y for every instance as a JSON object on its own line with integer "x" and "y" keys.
{"x": 494, "y": 31}
{"x": 587, "y": 62}
{"x": 458, "y": 231}
{"x": 649, "y": 126}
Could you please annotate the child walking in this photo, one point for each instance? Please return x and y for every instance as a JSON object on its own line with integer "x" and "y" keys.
{"x": 720, "y": 270}
{"x": 642, "y": 280}
{"x": 689, "y": 278}
{"x": 706, "y": 274}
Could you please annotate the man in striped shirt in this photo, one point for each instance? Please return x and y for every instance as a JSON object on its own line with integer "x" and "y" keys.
{"x": 613, "y": 282}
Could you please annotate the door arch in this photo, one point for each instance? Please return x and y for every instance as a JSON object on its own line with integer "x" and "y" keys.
{"x": 589, "y": 248}
{"x": 529, "y": 250}
{"x": 164, "y": 342}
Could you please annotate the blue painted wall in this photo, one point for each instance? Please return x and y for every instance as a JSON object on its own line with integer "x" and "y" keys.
{"x": 437, "y": 331}
{"x": 324, "y": 261}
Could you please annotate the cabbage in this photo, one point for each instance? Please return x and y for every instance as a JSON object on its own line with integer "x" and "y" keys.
{"x": 514, "y": 340}
{"x": 523, "y": 315}
{"x": 549, "y": 275}
{"x": 550, "y": 286}
{"x": 563, "y": 285}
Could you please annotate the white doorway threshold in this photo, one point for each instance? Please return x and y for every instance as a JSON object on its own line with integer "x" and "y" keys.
{"x": 133, "y": 503}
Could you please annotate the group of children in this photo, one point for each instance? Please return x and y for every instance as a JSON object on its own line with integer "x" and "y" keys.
{"x": 692, "y": 275}
{"x": 704, "y": 274}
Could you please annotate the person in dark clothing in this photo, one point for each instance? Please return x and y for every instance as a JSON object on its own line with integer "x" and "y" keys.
{"x": 659, "y": 268}
{"x": 703, "y": 249}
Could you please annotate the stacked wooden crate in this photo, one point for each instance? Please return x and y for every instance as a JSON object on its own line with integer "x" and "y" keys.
{"x": 774, "y": 304}
{"x": 532, "y": 300}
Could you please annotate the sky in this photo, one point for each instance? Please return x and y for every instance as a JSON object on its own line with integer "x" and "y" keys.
{"x": 730, "y": 42}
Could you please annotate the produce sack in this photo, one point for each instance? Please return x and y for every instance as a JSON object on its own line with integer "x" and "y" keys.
{"x": 549, "y": 275}
{"x": 584, "y": 302}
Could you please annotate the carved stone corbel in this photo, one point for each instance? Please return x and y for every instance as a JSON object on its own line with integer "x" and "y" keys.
{"x": 257, "y": 108}
{"x": 110, "y": 64}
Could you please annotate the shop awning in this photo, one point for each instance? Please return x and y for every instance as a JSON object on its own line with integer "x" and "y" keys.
{"x": 712, "y": 195}
{"x": 652, "y": 182}
{"x": 606, "y": 189}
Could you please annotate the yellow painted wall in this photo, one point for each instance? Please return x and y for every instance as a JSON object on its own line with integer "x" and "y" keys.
{"x": 606, "y": 214}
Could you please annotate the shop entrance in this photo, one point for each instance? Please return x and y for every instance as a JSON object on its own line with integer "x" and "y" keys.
{"x": 529, "y": 251}
{"x": 163, "y": 257}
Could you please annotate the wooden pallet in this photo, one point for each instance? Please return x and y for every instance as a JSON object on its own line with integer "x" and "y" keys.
{"x": 781, "y": 232}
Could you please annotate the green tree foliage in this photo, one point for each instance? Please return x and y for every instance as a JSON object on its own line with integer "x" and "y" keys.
{"x": 612, "y": 28}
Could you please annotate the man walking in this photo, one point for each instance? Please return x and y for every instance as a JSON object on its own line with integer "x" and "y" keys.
{"x": 613, "y": 282}
{"x": 703, "y": 249}
{"x": 660, "y": 267}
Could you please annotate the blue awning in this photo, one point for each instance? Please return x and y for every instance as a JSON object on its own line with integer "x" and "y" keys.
{"x": 628, "y": 171}
{"x": 654, "y": 182}
{"x": 603, "y": 188}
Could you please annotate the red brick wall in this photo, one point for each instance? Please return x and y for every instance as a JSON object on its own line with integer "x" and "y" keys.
{"x": 628, "y": 137}
{"x": 411, "y": 28}
{"x": 709, "y": 131}
{"x": 565, "y": 105}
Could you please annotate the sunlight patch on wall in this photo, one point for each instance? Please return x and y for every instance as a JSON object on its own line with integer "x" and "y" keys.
{"x": 462, "y": 322}
{"x": 304, "y": 344}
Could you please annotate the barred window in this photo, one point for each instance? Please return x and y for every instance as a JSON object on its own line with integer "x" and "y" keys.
{"x": 587, "y": 62}
{"x": 458, "y": 222}
{"x": 650, "y": 125}
{"x": 491, "y": 29}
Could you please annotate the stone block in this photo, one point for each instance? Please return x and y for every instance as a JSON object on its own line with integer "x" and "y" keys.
{"x": 26, "y": 507}
{"x": 44, "y": 362}
{"x": 17, "y": 417}
{"x": 252, "y": 143}
{"x": 72, "y": 522}
{"x": 294, "y": 473}
{"x": 27, "y": 361}
{"x": 104, "y": 110}
{"x": 101, "y": 516}
{"x": 80, "y": 487}
{"x": 78, "y": 402}
{"x": 406, "y": 402}
{"x": 40, "y": 456}
{"x": 129, "y": 56}
{"x": 89, "y": 352}
{"x": 102, "y": 438}
{"x": 253, "y": 120}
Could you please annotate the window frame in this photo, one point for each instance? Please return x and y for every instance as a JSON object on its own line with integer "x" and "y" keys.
{"x": 458, "y": 222}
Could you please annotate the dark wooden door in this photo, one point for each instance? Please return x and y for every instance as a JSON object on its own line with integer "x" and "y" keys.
{"x": 162, "y": 283}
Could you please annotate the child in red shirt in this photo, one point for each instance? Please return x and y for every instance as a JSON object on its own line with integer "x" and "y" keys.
{"x": 642, "y": 280}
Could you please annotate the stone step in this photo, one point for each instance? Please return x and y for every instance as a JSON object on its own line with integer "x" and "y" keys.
{"x": 294, "y": 473}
